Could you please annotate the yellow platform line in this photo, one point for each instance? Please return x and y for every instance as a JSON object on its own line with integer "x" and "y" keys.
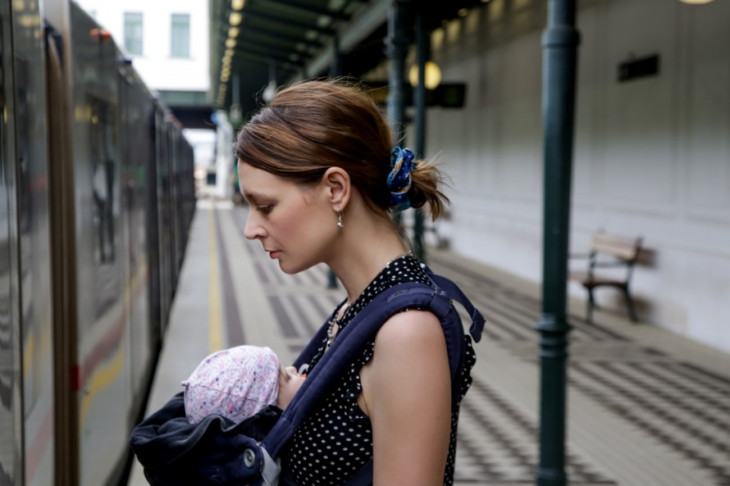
{"x": 215, "y": 333}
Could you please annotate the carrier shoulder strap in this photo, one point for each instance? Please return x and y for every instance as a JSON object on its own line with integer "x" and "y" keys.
{"x": 436, "y": 298}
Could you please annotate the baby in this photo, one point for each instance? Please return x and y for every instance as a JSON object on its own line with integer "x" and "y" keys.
{"x": 239, "y": 382}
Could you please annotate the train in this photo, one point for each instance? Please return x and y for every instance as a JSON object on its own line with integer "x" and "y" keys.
{"x": 96, "y": 200}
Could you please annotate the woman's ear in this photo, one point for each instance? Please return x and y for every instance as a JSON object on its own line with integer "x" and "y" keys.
{"x": 337, "y": 187}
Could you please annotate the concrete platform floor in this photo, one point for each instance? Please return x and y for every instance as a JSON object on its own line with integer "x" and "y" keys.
{"x": 645, "y": 407}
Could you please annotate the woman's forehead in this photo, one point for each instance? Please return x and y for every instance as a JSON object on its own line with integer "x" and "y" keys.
{"x": 257, "y": 182}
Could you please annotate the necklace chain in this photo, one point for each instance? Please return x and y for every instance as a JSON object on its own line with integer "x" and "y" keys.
{"x": 340, "y": 313}
{"x": 331, "y": 331}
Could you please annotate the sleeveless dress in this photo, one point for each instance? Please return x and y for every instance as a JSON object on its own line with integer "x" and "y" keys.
{"x": 336, "y": 441}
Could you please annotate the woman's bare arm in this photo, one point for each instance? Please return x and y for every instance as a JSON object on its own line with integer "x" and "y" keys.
{"x": 407, "y": 394}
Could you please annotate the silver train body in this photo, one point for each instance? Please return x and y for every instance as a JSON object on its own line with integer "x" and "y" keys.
{"x": 96, "y": 198}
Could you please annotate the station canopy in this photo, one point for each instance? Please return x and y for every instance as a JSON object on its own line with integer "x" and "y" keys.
{"x": 257, "y": 43}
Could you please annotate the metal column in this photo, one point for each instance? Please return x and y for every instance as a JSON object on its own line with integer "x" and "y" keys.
{"x": 396, "y": 48}
{"x": 423, "y": 53}
{"x": 560, "y": 45}
{"x": 336, "y": 70}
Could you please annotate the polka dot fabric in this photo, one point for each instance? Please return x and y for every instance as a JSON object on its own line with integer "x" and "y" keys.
{"x": 336, "y": 441}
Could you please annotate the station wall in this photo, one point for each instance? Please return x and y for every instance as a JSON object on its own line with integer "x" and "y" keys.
{"x": 652, "y": 155}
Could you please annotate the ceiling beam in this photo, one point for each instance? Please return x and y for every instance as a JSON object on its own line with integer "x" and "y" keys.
{"x": 267, "y": 56}
{"x": 280, "y": 36}
{"x": 307, "y": 7}
{"x": 265, "y": 48}
{"x": 288, "y": 22}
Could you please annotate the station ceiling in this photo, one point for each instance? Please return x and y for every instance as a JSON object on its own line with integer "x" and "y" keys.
{"x": 254, "y": 41}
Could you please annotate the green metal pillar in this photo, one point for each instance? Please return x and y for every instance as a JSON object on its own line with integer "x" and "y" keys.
{"x": 560, "y": 45}
{"x": 423, "y": 52}
{"x": 396, "y": 48}
{"x": 336, "y": 70}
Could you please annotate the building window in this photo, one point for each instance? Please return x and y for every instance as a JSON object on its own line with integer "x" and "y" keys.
{"x": 180, "y": 41}
{"x": 133, "y": 33}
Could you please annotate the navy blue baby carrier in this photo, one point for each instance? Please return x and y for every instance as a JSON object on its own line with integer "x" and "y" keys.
{"x": 216, "y": 451}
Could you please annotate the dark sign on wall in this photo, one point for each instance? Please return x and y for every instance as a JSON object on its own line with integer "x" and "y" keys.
{"x": 638, "y": 68}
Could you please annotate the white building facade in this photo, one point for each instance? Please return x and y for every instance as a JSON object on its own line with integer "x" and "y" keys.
{"x": 167, "y": 40}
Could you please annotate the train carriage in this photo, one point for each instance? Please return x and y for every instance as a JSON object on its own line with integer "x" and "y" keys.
{"x": 95, "y": 203}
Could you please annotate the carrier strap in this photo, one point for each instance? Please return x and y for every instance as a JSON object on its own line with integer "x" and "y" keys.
{"x": 363, "y": 328}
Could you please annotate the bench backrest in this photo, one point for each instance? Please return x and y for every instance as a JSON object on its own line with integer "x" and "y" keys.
{"x": 619, "y": 246}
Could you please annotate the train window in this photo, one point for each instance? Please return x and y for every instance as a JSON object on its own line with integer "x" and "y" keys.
{"x": 103, "y": 174}
{"x": 105, "y": 197}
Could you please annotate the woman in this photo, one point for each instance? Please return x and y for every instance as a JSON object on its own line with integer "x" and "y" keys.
{"x": 315, "y": 167}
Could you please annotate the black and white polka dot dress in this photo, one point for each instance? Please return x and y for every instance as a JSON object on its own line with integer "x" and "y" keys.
{"x": 336, "y": 441}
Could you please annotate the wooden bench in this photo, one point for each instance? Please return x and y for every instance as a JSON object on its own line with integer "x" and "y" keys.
{"x": 609, "y": 250}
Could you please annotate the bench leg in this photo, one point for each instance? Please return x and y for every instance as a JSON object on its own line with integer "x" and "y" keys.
{"x": 589, "y": 306}
{"x": 630, "y": 305}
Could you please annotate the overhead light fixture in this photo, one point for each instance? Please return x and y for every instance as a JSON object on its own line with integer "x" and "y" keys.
{"x": 237, "y": 4}
{"x": 235, "y": 18}
{"x": 230, "y": 43}
{"x": 233, "y": 32}
{"x": 433, "y": 75}
{"x": 695, "y": 2}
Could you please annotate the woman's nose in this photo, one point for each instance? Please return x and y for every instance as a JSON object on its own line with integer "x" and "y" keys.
{"x": 253, "y": 229}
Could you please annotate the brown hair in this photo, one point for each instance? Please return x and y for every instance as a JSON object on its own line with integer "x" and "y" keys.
{"x": 314, "y": 125}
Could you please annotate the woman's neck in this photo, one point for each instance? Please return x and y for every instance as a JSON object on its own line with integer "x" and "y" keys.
{"x": 365, "y": 250}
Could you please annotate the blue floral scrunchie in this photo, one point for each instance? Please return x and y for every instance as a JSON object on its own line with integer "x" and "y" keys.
{"x": 399, "y": 179}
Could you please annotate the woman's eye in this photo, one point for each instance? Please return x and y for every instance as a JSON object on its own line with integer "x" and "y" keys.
{"x": 265, "y": 209}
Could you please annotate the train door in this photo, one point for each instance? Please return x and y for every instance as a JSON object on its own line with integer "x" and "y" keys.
{"x": 103, "y": 368}
{"x": 151, "y": 221}
{"x": 137, "y": 154}
{"x": 11, "y": 413}
{"x": 175, "y": 198}
{"x": 25, "y": 292}
{"x": 163, "y": 218}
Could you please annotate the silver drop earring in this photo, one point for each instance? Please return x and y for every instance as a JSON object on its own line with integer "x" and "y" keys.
{"x": 339, "y": 221}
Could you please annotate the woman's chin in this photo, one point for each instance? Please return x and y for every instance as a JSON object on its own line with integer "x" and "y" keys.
{"x": 291, "y": 269}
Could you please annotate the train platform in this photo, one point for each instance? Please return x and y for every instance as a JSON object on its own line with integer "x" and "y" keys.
{"x": 645, "y": 407}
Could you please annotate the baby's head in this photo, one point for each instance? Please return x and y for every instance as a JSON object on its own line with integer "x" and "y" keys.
{"x": 236, "y": 383}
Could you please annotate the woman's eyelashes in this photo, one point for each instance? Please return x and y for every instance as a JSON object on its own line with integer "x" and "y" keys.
{"x": 264, "y": 208}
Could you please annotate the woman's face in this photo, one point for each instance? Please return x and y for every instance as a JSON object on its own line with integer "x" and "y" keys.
{"x": 295, "y": 224}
